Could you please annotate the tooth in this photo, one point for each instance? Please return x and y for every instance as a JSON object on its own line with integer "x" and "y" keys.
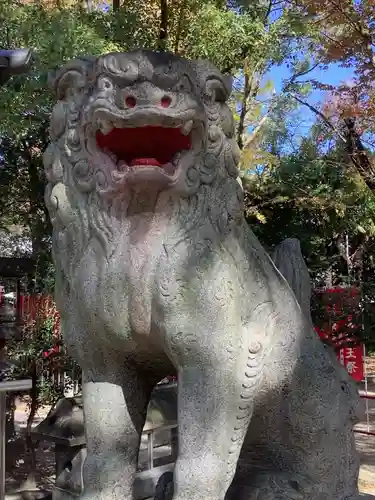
{"x": 176, "y": 158}
{"x": 119, "y": 123}
{"x": 186, "y": 127}
{"x": 105, "y": 126}
{"x": 169, "y": 168}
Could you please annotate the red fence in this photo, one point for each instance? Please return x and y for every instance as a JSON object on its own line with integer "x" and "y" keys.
{"x": 33, "y": 306}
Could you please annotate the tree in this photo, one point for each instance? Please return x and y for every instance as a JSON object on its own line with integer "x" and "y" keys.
{"x": 313, "y": 194}
{"x": 316, "y": 195}
{"x": 234, "y": 39}
{"x": 343, "y": 32}
{"x": 347, "y": 36}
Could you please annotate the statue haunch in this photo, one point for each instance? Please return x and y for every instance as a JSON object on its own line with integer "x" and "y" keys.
{"x": 157, "y": 271}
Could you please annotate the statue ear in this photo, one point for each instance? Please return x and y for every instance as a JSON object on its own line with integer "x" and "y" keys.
{"x": 71, "y": 78}
{"x": 214, "y": 85}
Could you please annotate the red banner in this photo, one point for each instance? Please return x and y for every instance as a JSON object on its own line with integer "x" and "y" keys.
{"x": 352, "y": 359}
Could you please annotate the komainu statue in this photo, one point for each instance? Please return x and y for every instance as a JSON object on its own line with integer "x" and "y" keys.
{"x": 158, "y": 272}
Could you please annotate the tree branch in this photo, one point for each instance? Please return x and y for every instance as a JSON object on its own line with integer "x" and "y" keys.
{"x": 303, "y": 73}
{"x": 255, "y": 133}
{"x": 354, "y": 146}
{"x": 321, "y": 115}
{"x": 268, "y": 12}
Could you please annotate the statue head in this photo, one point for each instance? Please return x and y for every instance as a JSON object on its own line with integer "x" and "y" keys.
{"x": 127, "y": 118}
{"x": 133, "y": 132}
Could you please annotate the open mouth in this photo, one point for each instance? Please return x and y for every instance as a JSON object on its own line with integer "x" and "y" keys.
{"x": 146, "y": 146}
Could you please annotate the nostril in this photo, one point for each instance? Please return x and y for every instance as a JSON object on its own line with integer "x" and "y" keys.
{"x": 130, "y": 101}
{"x": 165, "y": 101}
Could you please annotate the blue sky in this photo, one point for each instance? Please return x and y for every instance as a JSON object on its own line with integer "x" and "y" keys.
{"x": 334, "y": 75}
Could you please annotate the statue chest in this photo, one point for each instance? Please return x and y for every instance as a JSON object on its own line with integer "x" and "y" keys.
{"x": 115, "y": 293}
{"x": 144, "y": 284}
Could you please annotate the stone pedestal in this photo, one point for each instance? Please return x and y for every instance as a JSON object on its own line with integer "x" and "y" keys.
{"x": 64, "y": 426}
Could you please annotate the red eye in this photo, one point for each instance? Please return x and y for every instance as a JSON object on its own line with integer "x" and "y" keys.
{"x": 165, "y": 102}
{"x": 131, "y": 102}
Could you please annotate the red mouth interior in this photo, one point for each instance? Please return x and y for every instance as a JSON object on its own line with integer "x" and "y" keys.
{"x": 144, "y": 145}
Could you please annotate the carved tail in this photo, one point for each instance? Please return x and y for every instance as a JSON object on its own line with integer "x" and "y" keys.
{"x": 289, "y": 261}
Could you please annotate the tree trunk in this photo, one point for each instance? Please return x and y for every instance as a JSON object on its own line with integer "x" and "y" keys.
{"x": 181, "y": 13}
{"x": 116, "y": 5}
{"x": 241, "y": 123}
{"x": 163, "y": 30}
{"x": 250, "y": 90}
{"x": 358, "y": 154}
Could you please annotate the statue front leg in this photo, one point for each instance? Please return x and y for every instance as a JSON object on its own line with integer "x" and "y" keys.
{"x": 115, "y": 398}
{"x": 216, "y": 390}
{"x": 210, "y": 432}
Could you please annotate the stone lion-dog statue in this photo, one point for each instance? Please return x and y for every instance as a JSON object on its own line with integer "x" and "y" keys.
{"x": 157, "y": 272}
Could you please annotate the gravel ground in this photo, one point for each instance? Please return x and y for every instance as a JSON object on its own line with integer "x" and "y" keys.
{"x": 366, "y": 443}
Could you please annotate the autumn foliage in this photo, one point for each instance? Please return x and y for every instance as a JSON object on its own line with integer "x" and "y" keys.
{"x": 346, "y": 35}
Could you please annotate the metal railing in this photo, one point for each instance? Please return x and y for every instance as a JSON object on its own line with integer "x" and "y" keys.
{"x": 150, "y": 433}
{"x": 367, "y": 395}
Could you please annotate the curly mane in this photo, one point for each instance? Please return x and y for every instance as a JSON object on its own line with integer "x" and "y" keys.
{"x": 88, "y": 202}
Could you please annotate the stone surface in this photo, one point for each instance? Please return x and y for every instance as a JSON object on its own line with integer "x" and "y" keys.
{"x": 289, "y": 260}
{"x": 156, "y": 270}
{"x": 64, "y": 426}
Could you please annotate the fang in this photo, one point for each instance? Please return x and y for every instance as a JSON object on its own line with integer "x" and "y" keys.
{"x": 105, "y": 127}
{"x": 186, "y": 128}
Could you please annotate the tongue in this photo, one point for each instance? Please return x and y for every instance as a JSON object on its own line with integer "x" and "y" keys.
{"x": 145, "y": 162}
